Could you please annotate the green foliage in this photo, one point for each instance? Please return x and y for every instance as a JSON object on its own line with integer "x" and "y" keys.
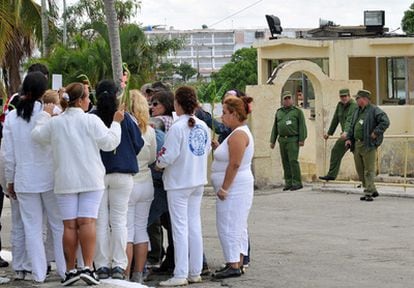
{"x": 407, "y": 23}
{"x": 92, "y": 56}
{"x": 85, "y": 12}
{"x": 211, "y": 92}
{"x": 186, "y": 71}
{"x": 240, "y": 71}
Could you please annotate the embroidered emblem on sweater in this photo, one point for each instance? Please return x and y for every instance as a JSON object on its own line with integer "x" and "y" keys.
{"x": 198, "y": 140}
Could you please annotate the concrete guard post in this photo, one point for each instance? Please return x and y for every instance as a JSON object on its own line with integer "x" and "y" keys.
{"x": 267, "y": 164}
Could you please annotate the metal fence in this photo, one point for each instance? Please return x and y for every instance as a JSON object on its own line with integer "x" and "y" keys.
{"x": 406, "y": 137}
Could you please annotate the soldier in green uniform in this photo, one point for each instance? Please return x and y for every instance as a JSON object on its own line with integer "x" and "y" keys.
{"x": 365, "y": 134}
{"x": 290, "y": 127}
{"x": 343, "y": 115}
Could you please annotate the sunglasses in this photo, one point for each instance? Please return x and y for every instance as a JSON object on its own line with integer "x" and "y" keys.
{"x": 154, "y": 104}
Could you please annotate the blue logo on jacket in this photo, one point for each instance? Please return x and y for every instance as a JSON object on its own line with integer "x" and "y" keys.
{"x": 198, "y": 140}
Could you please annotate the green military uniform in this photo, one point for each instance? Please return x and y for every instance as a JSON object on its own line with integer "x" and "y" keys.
{"x": 290, "y": 127}
{"x": 342, "y": 116}
{"x": 365, "y": 121}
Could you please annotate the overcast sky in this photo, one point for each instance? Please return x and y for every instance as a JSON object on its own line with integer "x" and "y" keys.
{"x": 190, "y": 14}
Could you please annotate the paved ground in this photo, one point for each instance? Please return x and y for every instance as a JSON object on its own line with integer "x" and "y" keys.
{"x": 313, "y": 238}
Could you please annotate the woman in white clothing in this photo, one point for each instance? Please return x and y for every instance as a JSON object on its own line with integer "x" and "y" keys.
{"x": 76, "y": 138}
{"x": 143, "y": 192}
{"x": 232, "y": 179}
{"x": 29, "y": 177}
{"x": 184, "y": 157}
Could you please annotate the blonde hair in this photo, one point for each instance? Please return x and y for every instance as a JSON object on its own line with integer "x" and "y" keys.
{"x": 51, "y": 96}
{"x": 140, "y": 109}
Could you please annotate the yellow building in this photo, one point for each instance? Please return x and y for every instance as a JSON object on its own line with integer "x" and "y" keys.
{"x": 318, "y": 68}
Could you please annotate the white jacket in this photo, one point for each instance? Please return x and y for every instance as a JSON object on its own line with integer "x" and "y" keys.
{"x": 146, "y": 156}
{"x": 76, "y": 138}
{"x": 27, "y": 164}
{"x": 184, "y": 154}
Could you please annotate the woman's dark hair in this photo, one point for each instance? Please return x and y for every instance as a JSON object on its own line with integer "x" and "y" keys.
{"x": 34, "y": 85}
{"x": 107, "y": 102}
{"x": 39, "y": 67}
{"x": 166, "y": 98}
{"x": 186, "y": 97}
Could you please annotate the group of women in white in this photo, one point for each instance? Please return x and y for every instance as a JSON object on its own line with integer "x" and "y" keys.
{"x": 88, "y": 174}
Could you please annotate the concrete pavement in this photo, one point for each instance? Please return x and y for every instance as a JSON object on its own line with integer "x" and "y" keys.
{"x": 310, "y": 238}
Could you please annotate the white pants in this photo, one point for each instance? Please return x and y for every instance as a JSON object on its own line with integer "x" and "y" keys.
{"x": 231, "y": 221}
{"x": 31, "y": 209}
{"x": 20, "y": 260}
{"x": 138, "y": 210}
{"x": 184, "y": 206}
{"x": 111, "y": 225}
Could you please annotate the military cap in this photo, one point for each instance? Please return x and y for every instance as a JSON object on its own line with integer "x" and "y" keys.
{"x": 344, "y": 92}
{"x": 363, "y": 93}
{"x": 286, "y": 94}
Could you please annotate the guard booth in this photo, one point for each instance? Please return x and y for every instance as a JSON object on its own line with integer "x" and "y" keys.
{"x": 314, "y": 70}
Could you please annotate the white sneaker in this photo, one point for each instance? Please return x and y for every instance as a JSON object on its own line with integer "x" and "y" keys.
{"x": 172, "y": 282}
{"x": 4, "y": 280}
{"x": 195, "y": 279}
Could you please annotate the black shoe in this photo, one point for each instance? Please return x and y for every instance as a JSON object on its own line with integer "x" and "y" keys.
{"x": 206, "y": 270}
{"x": 227, "y": 273}
{"x": 287, "y": 188}
{"x": 367, "y": 198}
{"x": 327, "y": 178}
{"x": 3, "y": 263}
{"x": 297, "y": 187}
{"x": 89, "y": 277}
{"x": 375, "y": 194}
{"x": 103, "y": 273}
{"x": 118, "y": 273}
{"x": 71, "y": 277}
{"x": 226, "y": 266}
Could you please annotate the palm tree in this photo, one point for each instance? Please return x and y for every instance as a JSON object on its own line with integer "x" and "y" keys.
{"x": 45, "y": 29}
{"x": 114, "y": 40}
{"x": 22, "y": 26}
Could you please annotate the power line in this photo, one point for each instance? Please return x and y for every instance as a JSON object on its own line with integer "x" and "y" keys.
{"x": 234, "y": 14}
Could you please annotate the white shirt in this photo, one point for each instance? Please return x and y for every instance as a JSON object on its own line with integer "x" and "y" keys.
{"x": 146, "y": 156}
{"x": 76, "y": 138}
{"x": 27, "y": 164}
{"x": 184, "y": 154}
{"x": 222, "y": 156}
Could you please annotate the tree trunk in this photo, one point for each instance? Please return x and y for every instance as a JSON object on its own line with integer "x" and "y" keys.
{"x": 65, "y": 32}
{"x": 114, "y": 41}
{"x": 45, "y": 29}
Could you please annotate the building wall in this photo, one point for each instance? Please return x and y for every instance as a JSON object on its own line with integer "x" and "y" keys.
{"x": 364, "y": 68}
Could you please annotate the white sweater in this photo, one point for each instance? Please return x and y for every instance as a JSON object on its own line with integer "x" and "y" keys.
{"x": 27, "y": 164}
{"x": 184, "y": 154}
{"x": 146, "y": 156}
{"x": 76, "y": 138}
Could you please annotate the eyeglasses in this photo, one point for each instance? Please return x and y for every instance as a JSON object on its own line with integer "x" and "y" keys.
{"x": 154, "y": 104}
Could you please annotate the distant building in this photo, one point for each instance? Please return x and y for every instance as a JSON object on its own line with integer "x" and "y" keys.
{"x": 207, "y": 50}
